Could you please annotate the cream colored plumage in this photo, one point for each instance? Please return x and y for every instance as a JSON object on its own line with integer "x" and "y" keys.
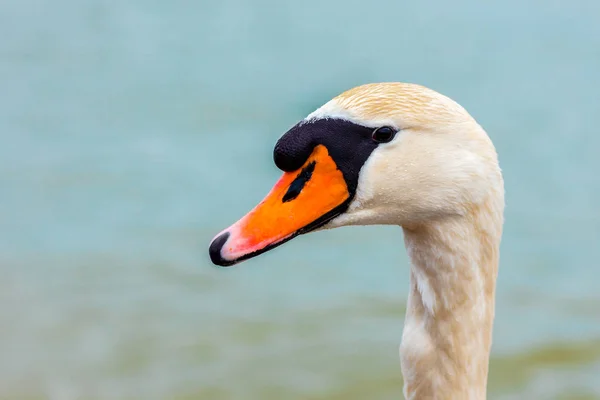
{"x": 441, "y": 182}
{"x": 435, "y": 173}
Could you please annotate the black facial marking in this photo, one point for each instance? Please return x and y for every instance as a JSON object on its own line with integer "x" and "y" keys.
{"x": 349, "y": 144}
{"x": 298, "y": 183}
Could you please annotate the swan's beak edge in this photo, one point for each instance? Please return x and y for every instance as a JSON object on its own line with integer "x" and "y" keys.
{"x": 300, "y": 201}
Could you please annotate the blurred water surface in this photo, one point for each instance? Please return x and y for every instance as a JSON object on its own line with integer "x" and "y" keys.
{"x": 134, "y": 131}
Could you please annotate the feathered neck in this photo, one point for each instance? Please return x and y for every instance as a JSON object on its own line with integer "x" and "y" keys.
{"x": 448, "y": 330}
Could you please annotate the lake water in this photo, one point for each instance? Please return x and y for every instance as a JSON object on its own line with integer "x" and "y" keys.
{"x": 134, "y": 131}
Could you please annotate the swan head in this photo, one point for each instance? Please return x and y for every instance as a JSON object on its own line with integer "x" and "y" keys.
{"x": 383, "y": 153}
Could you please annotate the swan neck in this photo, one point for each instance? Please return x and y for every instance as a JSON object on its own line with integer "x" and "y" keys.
{"x": 448, "y": 329}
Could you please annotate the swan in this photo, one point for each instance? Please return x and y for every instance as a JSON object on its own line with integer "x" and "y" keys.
{"x": 400, "y": 154}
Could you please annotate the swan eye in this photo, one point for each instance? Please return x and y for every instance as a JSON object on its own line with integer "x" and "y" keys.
{"x": 384, "y": 134}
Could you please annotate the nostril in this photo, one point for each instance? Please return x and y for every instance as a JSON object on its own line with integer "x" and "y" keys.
{"x": 215, "y": 250}
{"x": 298, "y": 184}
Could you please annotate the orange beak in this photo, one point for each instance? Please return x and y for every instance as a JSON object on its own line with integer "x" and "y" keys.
{"x": 299, "y": 202}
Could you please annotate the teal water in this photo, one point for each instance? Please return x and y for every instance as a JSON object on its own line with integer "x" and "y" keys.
{"x": 132, "y": 132}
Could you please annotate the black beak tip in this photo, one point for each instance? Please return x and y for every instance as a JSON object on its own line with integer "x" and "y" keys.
{"x": 215, "y": 250}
